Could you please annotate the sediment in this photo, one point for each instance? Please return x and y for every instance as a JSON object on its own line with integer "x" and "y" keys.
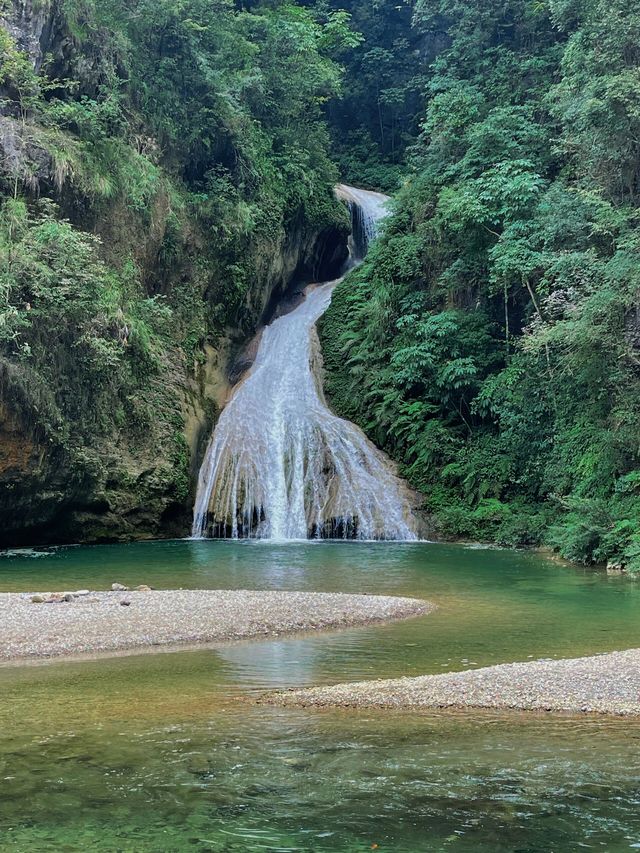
{"x": 111, "y": 622}
{"x": 605, "y": 684}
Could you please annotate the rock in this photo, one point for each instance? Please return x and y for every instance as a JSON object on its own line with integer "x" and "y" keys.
{"x": 143, "y": 588}
{"x": 80, "y": 592}
{"x": 125, "y": 603}
{"x": 68, "y": 596}
{"x": 38, "y": 599}
{"x": 119, "y": 587}
{"x": 30, "y": 24}
{"x": 297, "y": 763}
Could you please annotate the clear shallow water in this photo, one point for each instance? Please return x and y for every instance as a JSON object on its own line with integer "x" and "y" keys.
{"x": 164, "y": 752}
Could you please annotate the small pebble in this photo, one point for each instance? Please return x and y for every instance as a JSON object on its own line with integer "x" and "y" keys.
{"x": 169, "y": 617}
{"x": 604, "y": 683}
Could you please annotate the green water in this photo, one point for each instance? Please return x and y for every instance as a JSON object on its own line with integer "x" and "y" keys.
{"x": 168, "y": 752}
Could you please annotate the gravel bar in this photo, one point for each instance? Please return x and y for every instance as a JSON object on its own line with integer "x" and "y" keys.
{"x": 104, "y": 622}
{"x": 605, "y": 684}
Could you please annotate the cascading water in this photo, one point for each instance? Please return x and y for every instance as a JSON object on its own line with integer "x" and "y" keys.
{"x": 367, "y": 209}
{"x": 280, "y": 465}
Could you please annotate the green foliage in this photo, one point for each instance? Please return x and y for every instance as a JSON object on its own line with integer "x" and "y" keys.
{"x": 491, "y": 341}
{"x": 375, "y": 118}
{"x": 17, "y": 76}
{"x": 155, "y": 162}
{"x": 220, "y": 107}
{"x": 78, "y": 324}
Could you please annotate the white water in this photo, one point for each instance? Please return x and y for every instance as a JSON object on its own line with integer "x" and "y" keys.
{"x": 367, "y": 209}
{"x": 280, "y": 465}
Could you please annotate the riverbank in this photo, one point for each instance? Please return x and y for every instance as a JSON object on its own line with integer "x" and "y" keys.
{"x": 605, "y": 684}
{"x": 110, "y": 622}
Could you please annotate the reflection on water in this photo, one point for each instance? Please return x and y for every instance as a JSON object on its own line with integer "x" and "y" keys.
{"x": 164, "y": 752}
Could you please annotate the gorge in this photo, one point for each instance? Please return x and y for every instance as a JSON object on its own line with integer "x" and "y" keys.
{"x": 168, "y": 180}
{"x": 318, "y": 532}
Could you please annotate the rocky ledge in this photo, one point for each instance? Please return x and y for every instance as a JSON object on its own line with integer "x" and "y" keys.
{"x": 46, "y": 625}
{"x": 605, "y": 684}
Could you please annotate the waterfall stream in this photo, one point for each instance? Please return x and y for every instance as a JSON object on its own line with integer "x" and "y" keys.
{"x": 279, "y": 464}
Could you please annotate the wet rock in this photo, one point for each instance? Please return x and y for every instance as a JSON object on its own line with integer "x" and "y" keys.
{"x": 119, "y": 587}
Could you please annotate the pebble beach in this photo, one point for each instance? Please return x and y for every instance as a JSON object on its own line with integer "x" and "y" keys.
{"x": 45, "y": 625}
{"x": 37, "y": 626}
{"x": 605, "y": 684}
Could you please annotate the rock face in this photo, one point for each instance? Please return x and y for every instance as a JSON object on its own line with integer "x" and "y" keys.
{"x": 125, "y": 486}
{"x": 30, "y": 23}
{"x": 132, "y": 474}
{"x": 306, "y": 255}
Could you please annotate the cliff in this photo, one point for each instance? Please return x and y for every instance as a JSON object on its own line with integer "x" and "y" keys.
{"x": 137, "y": 256}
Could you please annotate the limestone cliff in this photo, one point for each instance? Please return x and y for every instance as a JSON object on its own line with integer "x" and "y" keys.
{"x": 90, "y": 454}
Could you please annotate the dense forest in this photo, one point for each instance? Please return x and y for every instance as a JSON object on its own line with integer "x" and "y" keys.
{"x": 167, "y": 168}
{"x": 491, "y": 341}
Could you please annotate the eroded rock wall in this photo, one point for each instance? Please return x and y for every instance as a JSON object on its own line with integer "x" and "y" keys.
{"x": 128, "y": 470}
{"x": 129, "y": 482}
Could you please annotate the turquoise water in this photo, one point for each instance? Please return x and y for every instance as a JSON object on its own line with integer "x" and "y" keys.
{"x": 169, "y": 752}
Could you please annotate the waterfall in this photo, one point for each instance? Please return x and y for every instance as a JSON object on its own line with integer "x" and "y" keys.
{"x": 280, "y": 465}
{"x": 367, "y": 209}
